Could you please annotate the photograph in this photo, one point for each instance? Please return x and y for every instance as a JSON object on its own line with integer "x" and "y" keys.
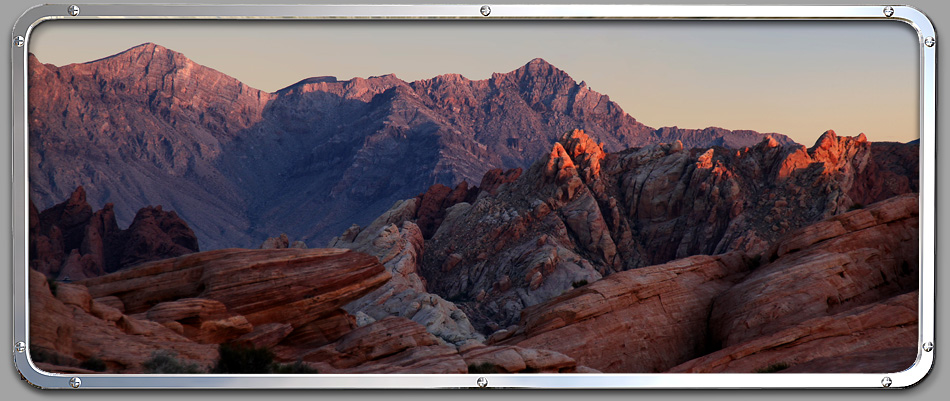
{"x": 451, "y": 197}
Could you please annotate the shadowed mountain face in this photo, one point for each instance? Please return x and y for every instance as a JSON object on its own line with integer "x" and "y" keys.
{"x": 149, "y": 126}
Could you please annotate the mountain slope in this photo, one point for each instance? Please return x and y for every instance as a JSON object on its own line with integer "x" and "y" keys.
{"x": 149, "y": 126}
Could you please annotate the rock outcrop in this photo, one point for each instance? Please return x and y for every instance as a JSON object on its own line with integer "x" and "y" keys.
{"x": 580, "y": 213}
{"x": 71, "y": 242}
{"x": 398, "y": 243}
{"x": 398, "y": 345}
{"x": 850, "y": 260}
{"x": 150, "y": 126}
{"x": 63, "y": 333}
{"x": 643, "y": 320}
{"x": 839, "y": 288}
{"x": 874, "y": 338}
{"x": 300, "y": 287}
{"x": 286, "y": 300}
{"x": 189, "y": 304}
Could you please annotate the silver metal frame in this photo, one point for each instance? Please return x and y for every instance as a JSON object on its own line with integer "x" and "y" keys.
{"x": 925, "y": 31}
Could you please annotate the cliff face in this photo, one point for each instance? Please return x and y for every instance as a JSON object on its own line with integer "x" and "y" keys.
{"x": 150, "y": 126}
{"x": 580, "y": 214}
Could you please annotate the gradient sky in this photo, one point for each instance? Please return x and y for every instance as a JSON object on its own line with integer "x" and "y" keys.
{"x": 795, "y": 78}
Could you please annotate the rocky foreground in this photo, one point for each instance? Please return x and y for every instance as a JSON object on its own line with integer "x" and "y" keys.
{"x": 660, "y": 259}
{"x": 839, "y": 295}
{"x": 287, "y": 300}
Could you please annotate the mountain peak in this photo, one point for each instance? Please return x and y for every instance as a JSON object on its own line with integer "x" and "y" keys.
{"x": 147, "y": 49}
{"x": 537, "y": 67}
{"x": 538, "y": 61}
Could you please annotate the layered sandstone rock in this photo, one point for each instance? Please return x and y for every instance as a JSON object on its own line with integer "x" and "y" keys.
{"x": 213, "y": 293}
{"x": 190, "y": 304}
{"x": 643, "y": 320}
{"x": 840, "y": 288}
{"x": 399, "y": 345}
{"x": 874, "y": 338}
{"x": 850, "y": 260}
{"x": 64, "y": 332}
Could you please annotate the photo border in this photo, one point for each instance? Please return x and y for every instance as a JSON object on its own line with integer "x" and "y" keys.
{"x": 927, "y": 217}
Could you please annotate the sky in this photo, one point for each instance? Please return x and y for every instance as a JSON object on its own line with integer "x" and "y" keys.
{"x": 795, "y": 78}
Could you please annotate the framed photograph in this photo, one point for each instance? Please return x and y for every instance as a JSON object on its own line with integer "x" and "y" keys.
{"x": 500, "y": 196}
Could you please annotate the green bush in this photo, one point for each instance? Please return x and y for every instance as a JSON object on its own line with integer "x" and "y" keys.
{"x": 43, "y": 355}
{"x": 238, "y": 359}
{"x": 484, "y": 367}
{"x": 578, "y": 284}
{"x": 296, "y": 368}
{"x": 165, "y": 362}
{"x": 755, "y": 262}
{"x": 94, "y": 364}
{"x": 53, "y": 285}
{"x": 775, "y": 367}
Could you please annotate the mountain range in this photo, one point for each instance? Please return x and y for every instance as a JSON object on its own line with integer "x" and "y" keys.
{"x": 148, "y": 126}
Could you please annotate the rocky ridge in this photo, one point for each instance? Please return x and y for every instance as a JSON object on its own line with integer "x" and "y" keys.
{"x": 580, "y": 214}
{"x": 150, "y": 126}
{"x": 71, "y": 242}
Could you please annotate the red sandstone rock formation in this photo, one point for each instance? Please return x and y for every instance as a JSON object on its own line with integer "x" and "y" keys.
{"x": 69, "y": 241}
{"x": 643, "y": 320}
{"x": 838, "y": 288}
{"x": 579, "y": 214}
{"x": 288, "y": 300}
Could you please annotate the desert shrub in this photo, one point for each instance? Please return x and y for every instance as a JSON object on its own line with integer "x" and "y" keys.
{"x": 53, "y": 285}
{"x": 577, "y": 284}
{"x": 856, "y": 206}
{"x": 94, "y": 364}
{"x": 755, "y": 261}
{"x": 775, "y": 367}
{"x": 484, "y": 367}
{"x": 238, "y": 359}
{"x": 458, "y": 298}
{"x": 294, "y": 368}
{"x": 165, "y": 362}
{"x": 43, "y": 355}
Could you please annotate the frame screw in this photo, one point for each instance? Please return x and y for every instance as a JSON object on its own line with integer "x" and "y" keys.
{"x": 886, "y": 382}
{"x": 482, "y": 382}
{"x": 20, "y": 347}
{"x": 928, "y": 346}
{"x": 930, "y": 41}
{"x": 888, "y": 11}
{"x": 18, "y": 41}
{"x": 485, "y": 10}
{"x": 73, "y": 10}
{"x": 75, "y": 382}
